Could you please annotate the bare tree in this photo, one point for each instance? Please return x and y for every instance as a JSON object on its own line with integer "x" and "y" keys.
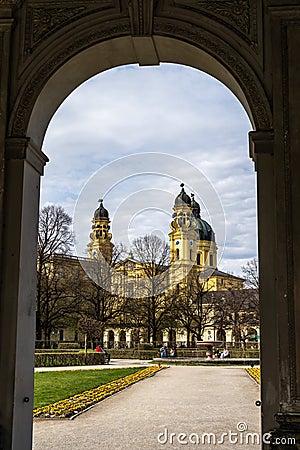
{"x": 250, "y": 272}
{"x": 91, "y": 329}
{"x": 99, "y": 302}
{"x": 153, "y": 252}
{"x": 135, "y": 317}
{"x": 54, "y": 237}
{"x": 235, "y": 309}
{"x": 194, "y": 307}
{"x": 118, "y": 254}
{"x": 155, "y": 301}
{"x": 59, "y": 299}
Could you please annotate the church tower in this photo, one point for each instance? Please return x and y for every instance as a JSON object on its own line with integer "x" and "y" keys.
{"x": 100, "y": 238}
{"x": 183, "y": 235}
{"x": 192, "y": 239}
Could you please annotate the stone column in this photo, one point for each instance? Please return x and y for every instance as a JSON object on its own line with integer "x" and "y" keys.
{"x": 23, "y": 167}
{"x": 128, "y": 338}
{"x": 285, "y": 36}
{"x": 261, "y": 150}
{"x": 6, "y": 24}
{"x": 105, "y": 339}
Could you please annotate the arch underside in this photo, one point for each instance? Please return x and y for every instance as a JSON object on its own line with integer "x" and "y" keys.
{"x": 58, "y": 70}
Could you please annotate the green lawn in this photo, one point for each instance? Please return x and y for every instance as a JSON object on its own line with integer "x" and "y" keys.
{"x": 50, "y": 387}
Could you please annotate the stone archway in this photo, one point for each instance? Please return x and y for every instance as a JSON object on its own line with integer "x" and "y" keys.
{"x": 47, "y": 50}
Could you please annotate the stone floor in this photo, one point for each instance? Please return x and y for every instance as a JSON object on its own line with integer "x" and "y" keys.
{"x": 181, "y": 399}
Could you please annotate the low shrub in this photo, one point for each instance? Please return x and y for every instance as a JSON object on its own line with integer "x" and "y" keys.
{"x": 68, "y": 345}
{"x": 145, "y": 346}
{"x": 239, "y": 353}
{"x": 68, "y": 359}
{"x": 191, "y": 353}
{"x": 131, "y": 353}
{"x": 56, "y": 350}
{"x": 201, "y": 353}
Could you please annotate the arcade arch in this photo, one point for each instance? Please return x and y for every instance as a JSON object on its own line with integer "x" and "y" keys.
{"x": 120, "y": 51}
{"x": 59, "y": 61}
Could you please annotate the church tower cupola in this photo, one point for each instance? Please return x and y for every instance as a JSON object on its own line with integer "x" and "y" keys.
{"x": 101, "y": 212}
{"x": 195, "y": 206}
{"x": 183, "y": 235}
{"x": 192, "y": 239}
{"x": 182, "y": 198}
{"x": 100, "y": 237}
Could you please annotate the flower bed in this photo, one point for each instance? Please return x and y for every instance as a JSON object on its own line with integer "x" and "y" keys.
{"x": 254, "y": 372}
{"x": 71, "y": 406}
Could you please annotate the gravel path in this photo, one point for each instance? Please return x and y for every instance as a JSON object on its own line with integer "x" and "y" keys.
{"x": 181, "y": 399}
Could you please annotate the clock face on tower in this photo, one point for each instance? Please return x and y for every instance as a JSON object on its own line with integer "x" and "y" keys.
{"x": 177, "y": 242}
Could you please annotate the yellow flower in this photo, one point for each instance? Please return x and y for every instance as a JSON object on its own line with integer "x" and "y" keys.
{"x": 254, "y": 372}
{"x": 79, "y": 402}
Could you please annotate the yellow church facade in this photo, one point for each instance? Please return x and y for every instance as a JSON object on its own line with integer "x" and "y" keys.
{"x": 192, "y": 249}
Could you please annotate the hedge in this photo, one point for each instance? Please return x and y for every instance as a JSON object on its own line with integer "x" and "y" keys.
{"x": 57, "y": 350}
{"x": 131, "y": 353}
{"x": 181, "y": 352}
{"x": 68, "y": 359}
{"x": 68, "y": 345}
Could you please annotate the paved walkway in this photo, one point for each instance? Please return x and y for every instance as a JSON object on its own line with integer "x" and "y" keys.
{"x": 180, "y": 399}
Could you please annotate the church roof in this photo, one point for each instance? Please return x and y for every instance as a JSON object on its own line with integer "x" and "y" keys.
{"x": 219, "y": 273}
{"x": 101, "y": 212}
{"x": 182, "y": 198}
{"x": 196, "y": 207}
{"x": 128, "y": 260}
{"x": 204, "y": 230}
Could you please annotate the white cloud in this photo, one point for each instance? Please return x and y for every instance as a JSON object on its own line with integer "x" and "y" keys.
{"x": 170, "y": 109}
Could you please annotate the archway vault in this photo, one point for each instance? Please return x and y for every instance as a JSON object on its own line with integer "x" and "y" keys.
{"x": 46, "y": 50}
{"x": 60, "y": 57}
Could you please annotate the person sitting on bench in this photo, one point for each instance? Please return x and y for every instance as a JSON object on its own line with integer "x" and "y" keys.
{"x": 225, "y": 354}
{"x": 101, "y": 350}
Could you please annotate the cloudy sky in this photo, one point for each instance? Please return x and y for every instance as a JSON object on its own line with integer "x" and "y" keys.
{"x": 131, "y": 135}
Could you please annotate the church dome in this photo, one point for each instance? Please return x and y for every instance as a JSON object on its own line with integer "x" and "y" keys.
{"x": 101, "y": 212}
{"x": 182, "y": 198}
{"x": 204, "y": 230}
